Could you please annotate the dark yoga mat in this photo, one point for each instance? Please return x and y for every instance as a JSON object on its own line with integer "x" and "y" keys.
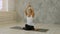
{"x": 21, "y": 28}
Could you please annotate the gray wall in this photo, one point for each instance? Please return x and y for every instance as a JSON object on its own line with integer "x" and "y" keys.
{"x": 46, "y": 11}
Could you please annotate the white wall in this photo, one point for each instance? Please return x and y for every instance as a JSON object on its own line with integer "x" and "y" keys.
{"x": 4, "y": 5}
{"x": 10, "y": 15}
{"x": 8, "y": 5}
{"x": 11, "y": 5}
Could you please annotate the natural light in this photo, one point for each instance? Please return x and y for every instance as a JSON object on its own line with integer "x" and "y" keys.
{"x": 0, "y": 4}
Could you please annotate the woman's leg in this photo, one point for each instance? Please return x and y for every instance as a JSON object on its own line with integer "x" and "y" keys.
{"x": 28, "y": 27}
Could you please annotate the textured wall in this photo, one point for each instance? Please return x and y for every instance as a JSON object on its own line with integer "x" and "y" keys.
{"x": 46, "y": 11}
{"x": 11, "y": 5}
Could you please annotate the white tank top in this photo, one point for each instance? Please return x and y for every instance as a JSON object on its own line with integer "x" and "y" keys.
{"x": 30, "y": 20}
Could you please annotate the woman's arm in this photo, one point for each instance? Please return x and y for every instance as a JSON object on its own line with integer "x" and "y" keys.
{"x": 32, "y": 12}
{"x": 26, "y": 9}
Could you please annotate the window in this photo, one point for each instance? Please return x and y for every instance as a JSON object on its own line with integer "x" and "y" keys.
{"x": 0, "y": 4}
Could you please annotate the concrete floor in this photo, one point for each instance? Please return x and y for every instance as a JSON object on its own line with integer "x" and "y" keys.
{"x": 5, "y": 28}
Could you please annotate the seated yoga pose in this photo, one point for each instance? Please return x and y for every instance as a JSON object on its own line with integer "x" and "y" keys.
{"x": 29, "y": 12}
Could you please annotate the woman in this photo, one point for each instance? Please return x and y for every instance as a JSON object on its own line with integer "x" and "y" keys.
{"x": 30, "y": 15}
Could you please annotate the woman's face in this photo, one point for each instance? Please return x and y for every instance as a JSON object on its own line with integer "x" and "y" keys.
{"x": 29, "y": 11}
